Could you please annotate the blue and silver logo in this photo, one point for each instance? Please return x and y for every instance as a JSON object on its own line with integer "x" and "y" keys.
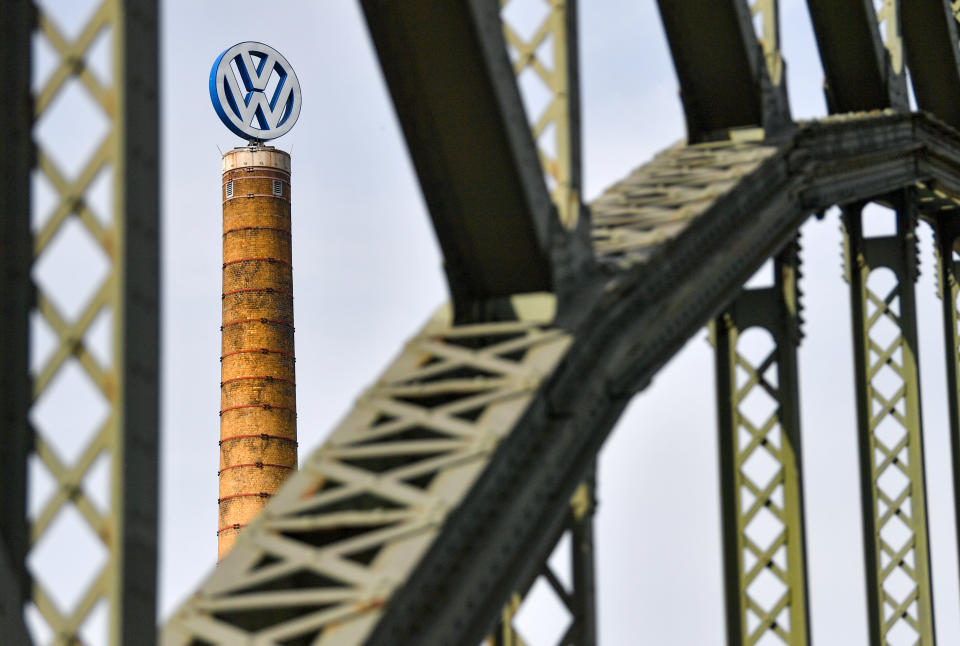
{"x": 254, "y": 91}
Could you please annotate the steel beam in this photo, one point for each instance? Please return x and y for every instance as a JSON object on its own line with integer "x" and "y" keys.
{"x": 129, "y": 382}
{"x": 681, "y": 258}
{"x": 864, "y": 70}
{"x": 930, "y": 39}
{"x": 16, "y": 160}
{"x": 724, "y": 81}
{"x": 579, "y": 600}
{"x": 11, "y": 601}
{"x": 137, "y": 324}
{"x": 760, "y": 463}
{"x": 896, "y": 546}
{"x": 642, "y": 319}
{"x": 583, "y": 601}
{"x": 948, "y": 284}
{"x": 558, "y": 69}
{"x": 375, "y": 499}
{"x": 453, "y": 87}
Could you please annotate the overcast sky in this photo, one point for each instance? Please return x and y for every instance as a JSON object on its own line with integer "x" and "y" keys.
{"x": 367, "y": 275}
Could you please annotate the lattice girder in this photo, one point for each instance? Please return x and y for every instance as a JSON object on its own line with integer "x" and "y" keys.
{"x": 624, "y": 331}
{"x": 896, "y": 546}
{"x": 728, "y": 63}
{"x": 560, "y": 117}
{"x": 766, "y": 16}
{"x": 70, "y": 334}
{"x": 362, "y": 508}
{"x": 760, "y": 463}
{"x": 660, "y": 199}
{"x": 126, "y": 377}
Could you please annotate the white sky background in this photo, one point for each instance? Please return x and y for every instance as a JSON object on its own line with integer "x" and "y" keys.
{"x": 367, "y": 275}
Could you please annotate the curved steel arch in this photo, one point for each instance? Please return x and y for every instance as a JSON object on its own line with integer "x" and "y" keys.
{"x": 544, "y": 395}
{"x": 440, "y": 493}
{"x": 438, "y": 496}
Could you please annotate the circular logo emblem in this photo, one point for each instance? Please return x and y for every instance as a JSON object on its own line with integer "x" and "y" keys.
{"x": 254, "y": 91}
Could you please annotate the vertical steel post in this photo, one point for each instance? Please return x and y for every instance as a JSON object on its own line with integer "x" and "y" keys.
{"x": 580, "y": 600}
{"x": 11, "y": 601}
{"x": 583, "y": 601}
{"x": 896, "y": 548}
{"x": 129, "y": 382}
{"x": 760, "y": 464}
{"x": 18, "y": 18}
{"x": 133, "y": 588}
{"x": 505, "y": 634}
{"x": 948, "y": 286}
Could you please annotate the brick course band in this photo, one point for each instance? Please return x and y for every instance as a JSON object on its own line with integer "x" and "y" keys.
{"x": 258, "y": 465}
{"x": 268, "y": 290}
{"x": 233, "y": 262}
{"x": 258, "y": 436}
{"x": 257, "y": 351}
{"x": 253, "y": 195}
{"x": 256, "y": 229}
{"x": 255, "y": 320}
{"x": 261, "y": 436}
{"x": 263, "y": 377}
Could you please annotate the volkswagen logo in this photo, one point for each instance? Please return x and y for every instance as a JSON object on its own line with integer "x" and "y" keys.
{"x": 254, "y": 91}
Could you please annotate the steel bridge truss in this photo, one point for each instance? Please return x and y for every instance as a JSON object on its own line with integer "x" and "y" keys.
{"x": 434, "y": 507}
{"x": 761, "y": 486}
{"x": 120, "y": 231}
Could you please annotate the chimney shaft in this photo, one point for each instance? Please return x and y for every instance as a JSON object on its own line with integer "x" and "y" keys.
{"x": 258, "y": 425}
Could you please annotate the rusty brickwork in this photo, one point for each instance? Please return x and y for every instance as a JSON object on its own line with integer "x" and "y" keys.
{"x": 258, "y": 425}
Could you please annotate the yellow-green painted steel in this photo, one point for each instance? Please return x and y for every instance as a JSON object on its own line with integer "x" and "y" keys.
{"x": 128, "y": 594}
{"x": 374, "y": 497}
{"x": 768, "y": 36}
{"x": 888, "y": 17}
{"x": 559, "y": 119}
{"x": 893, "y": 496}
{"x": 392, "y": 461}
{"x": 760, "y": 465}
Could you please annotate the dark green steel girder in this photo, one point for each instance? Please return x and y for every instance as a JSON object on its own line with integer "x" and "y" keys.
{"x": 724, "y": 83}
{"x": 16, "y": 161}
{"x": 457, "y": 100}
{"x": 930, "y": 39}
{"x": 11, "y": 601}
{"x": 948, "y": 279}
{"x": 582, "y": 600}
{"x": 462, "y": 116}
{"x": 623, "y": 334}
{"x": 136, "y": 574}
{"x": 861, "y": 74}
{"x": 664, "y": 274}
{"x": 654, "y": 295}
